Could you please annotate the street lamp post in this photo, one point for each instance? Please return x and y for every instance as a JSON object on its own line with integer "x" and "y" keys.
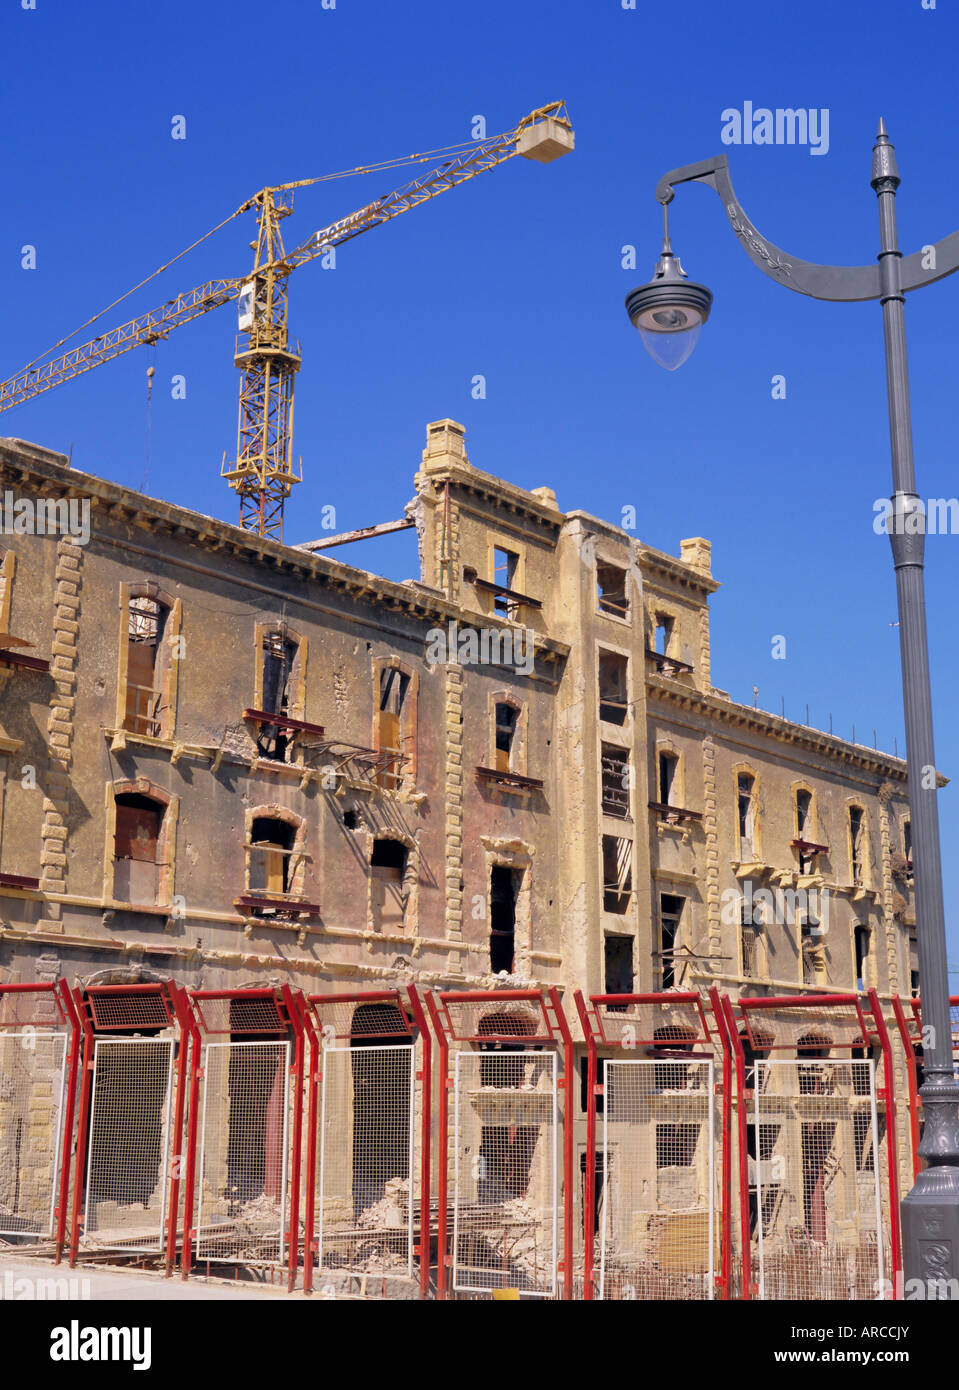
{"x": 669, "y": 304}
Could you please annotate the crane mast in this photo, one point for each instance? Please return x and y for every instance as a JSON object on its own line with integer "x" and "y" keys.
{"x": 262, "y": 473}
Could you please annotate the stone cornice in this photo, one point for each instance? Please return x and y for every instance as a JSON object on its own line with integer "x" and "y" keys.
{"x": 474, "y": 482}
{"x": 757, "y": 721}
{"x": 42, "y": 470}
{"x": 674, "y": 570}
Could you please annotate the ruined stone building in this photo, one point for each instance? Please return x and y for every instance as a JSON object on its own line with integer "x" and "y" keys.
{"x": 223, "y": 758}
{"x": 227, "y": 761}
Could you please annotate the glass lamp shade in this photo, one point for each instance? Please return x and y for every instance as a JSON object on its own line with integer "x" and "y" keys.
{"x": 669, "y": 312}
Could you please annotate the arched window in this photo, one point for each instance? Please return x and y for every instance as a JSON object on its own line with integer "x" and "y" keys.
{"x": 270, "y": 854}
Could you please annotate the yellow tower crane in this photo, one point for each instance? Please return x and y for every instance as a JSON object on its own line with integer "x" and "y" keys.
{"x": 262, "y": 472}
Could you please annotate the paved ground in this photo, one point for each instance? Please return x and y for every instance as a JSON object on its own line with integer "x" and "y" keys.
{"x": 23, "y": 1278}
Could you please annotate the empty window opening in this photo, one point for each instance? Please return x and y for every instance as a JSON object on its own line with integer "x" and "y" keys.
{"x": 668, "y": 782}
{"x": 613, "y": 686}
{"x": 584, "y": 1083}
{"x": 803, "y": 816}
{"x": 768, "y": 1137}
{"x": 617, "y": 874}
{"x": 861, "y": 940}
{"x": 391, "y": 717}
{"x": 599, "y": 1182}
{"x": 505, "y": 735}
{"x": 381, "y": 1101}
{"x": 350, "y": 820}
{"x": 746, "y": 796}
{"x": 146, "y": 667}
{"x": 913, "y": 962}
{"x": 862, "y": 1139}
{"x": 817, "y": 1142}
{"x": 755, "y": 1049}
{"x": 278, "y": 655}
{"x": 662, "y": 633}
{"x": 813, "y": 1080}
{"x": 616, "y": 781}
{"x": 254, "y": 1157}
{"x": 271, "y": 854}
{"x": 673, "y": 1037}
{"x": 618, "y": 967}
{"x": 612, "y": 585}
{"x": 504, "y": 890}
{"x": 504, "y": 1072}
{"x": 676, "y": 1145}
{"x": 136, "y": 866}
{"x": 907, "y": 844}
{"x": 749, "y": 937}
{"x": 505, "y": 566}
{"x": 388, "y": 862}
{"x": 811, "y": 948}
{"x": 856, "y": 842}
{"x": 670, "y": 915}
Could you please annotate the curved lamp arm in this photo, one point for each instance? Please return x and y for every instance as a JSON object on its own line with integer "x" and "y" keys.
{"x": 836, "y": 282}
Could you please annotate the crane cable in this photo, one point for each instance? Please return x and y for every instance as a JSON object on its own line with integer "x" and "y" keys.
{"x": 397, "y": 163}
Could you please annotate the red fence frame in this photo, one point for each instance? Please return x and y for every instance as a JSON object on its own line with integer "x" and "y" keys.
{"x": 290, "y": 1013}
{"x": 172, "y": 999}
{"x": 872, "y": 1011}
{"x": 556, "y": 1031}
{"x": 595, "y": 1038}
{"x": 908, "y": 1014}
{"x": 312, "y": 1008}
{"x": 59, "y": 993}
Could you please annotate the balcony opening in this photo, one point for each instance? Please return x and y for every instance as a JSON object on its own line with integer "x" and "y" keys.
{"x": 505, "y": 566}
{"x": 662, "y": 634}
{"x": 750, "y": 935}
{"x": 392, "y": 719}
{"x": 616, "y": 781}
{"x": 136, "y": 866}
{"x": 388, "y": 862}
{"x": 746, "y": 804}
{"x": 618, "y": 968}
{"x": 670, "y": 915}
{"x": 617, "y": 874}
{"x": 861, "y": 941}
{"x": 505, "y": 734}
{"x": 271, "y": 851}
{"x": 856, "y": 843}
{"x": 278, "y": 656}
{"x": 668, "y": 768}
{"x": 503, "y": 892}
{"x": 613, "y": 687}
{"x": 146, "y": 667}
{"x": 611, "y": 582}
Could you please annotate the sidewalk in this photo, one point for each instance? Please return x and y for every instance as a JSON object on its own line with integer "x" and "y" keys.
{"x": 26, "y": 1279}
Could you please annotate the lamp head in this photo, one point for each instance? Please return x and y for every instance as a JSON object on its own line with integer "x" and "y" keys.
{"x": 669, "y": 311}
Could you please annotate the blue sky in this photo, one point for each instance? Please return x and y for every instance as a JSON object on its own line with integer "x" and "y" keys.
{"x": 517, "y": 277}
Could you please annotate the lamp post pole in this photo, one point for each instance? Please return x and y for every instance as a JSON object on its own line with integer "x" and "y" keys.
{"x": 930, "y": 1212}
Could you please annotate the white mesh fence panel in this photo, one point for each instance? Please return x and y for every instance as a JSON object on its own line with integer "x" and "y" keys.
{"x": 127, "y": 1158}
{"x": 505, "y": 1178}
{"x": 815, "y": 1180}
{"x": 32, "y": 1084}
{"x": 658, "y": 1221}
{"x": 366, "y": 1181}
{"x": 243, "y": 1158}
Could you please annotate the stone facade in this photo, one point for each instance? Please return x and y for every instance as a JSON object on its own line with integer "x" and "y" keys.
{"x": 537, "y": 684}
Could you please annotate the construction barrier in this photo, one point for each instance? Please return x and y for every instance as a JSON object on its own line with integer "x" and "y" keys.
{"x": 245, "y": 1130}
{"x": 656, "y": 1194}
{"x": 39, "y": 1057}
{"x": 368, "y": 1146}
{"x": 499, "y": 1169}
{"x": 819, "y": 1185}
{"x": 132, "y": 1097}
{"x": 908, "y": 1016}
